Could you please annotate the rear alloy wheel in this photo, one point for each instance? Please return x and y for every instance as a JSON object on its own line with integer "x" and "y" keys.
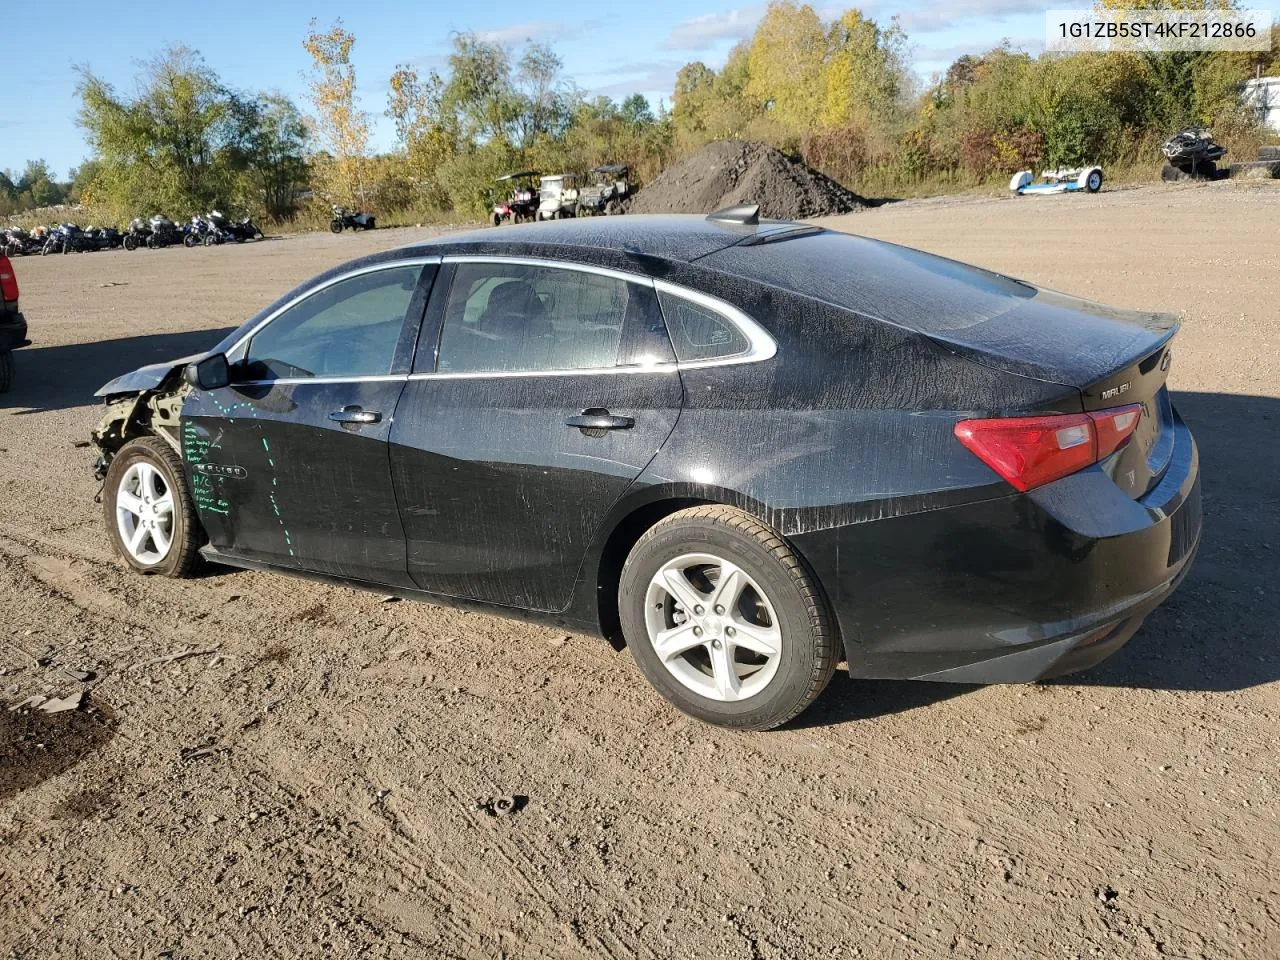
{"x": 150, "y": 516}
{"x": 724, "y": 620}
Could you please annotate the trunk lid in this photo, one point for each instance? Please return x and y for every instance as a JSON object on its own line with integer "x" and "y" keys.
{"x": 1113, "y": 357}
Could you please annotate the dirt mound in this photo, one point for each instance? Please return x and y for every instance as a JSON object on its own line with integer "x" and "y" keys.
{"x": 729, "y": 172}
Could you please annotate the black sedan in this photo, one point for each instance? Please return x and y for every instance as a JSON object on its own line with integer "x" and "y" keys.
{"x": 747, "y": 449}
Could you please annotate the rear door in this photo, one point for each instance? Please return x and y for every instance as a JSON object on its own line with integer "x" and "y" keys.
{"x": 549, "y": 389}
{"x": 289, "y": 463}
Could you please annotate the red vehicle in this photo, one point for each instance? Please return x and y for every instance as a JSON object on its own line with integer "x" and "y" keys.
{"x": 13, "y": 326}
{"x": 522, "y": 203}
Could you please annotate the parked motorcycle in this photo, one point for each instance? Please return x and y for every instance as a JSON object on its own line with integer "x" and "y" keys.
{"x": 136, "y": 234}
{"x": 67, "y": 238}
{"x": 342, "y": 218}
{"x": 203, "y": 230}
{"x": 164, "y": 232}
{"x": 17, "y": 242}
{"x": 246, "y": 229}
{"x": 103, "y": 238}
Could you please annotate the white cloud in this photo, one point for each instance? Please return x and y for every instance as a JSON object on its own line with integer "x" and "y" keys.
{"x": 702, "y": 32}
{"x": 524, "y": 32}
{"x": 646, "y": 76}
{"x": 949, "y": 53}
{"x": 928, "y": 18}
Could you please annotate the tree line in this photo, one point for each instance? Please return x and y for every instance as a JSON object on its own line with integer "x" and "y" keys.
{"x": 837, "y": 92}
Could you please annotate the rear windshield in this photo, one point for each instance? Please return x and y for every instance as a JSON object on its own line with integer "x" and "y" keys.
{"x": 903, "y": 286}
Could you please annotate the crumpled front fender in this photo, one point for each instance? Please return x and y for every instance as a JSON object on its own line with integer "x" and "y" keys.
{"x": 149, "y": 377}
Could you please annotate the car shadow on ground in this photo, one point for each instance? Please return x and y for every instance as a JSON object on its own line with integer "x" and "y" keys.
{"x": 1217, "y": 633}
{"x": 61, "y": 377}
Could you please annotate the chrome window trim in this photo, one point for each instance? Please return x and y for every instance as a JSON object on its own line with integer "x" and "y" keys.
{"x": 548, "y": 262}
{"x": 369, "y": 378}
{"x": 760, "y": 344}
{"x": 372, "y": 268}
{"x": 566, "y": 372}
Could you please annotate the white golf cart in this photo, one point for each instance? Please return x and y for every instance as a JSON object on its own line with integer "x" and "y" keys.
{"x": 557, "y": 197}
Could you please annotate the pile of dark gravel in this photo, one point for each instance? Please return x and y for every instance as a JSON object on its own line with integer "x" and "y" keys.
{"x": 729, "y": 172}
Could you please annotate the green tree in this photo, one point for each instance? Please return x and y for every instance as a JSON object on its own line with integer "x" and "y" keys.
{"x": 276, "y": 168}
{"x": 339, "y": 127}
{"x": 865, "y": 73}
{"x": 787, "y": 65}
{"x": 167, "y": 148}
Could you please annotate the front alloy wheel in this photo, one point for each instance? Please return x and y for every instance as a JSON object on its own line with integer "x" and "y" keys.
{"x": 144, "y": 514}
{"x": 149, "y": 512}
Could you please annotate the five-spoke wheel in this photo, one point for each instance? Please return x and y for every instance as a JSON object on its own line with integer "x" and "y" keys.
{"x": 150, "y": 516}
{"x": 144, "y": 513}
{"x": 724, "y": 619}
{"x": 712, "y": 626}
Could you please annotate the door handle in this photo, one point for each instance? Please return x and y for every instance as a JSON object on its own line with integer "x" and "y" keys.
{"x": 355, "y": 414}
{"x": 595, "y": 418}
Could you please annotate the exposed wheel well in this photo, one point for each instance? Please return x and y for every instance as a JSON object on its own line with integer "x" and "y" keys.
{"x": 614, "y": 555}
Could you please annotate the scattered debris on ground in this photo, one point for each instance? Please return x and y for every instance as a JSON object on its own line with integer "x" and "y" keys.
{"x": 175, "y": 657}
{"x": 502, "y": 806}
{"x": 729, "y": 172}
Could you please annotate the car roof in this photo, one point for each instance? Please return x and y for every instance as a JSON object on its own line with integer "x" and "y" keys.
{"x": 678, "y": 237}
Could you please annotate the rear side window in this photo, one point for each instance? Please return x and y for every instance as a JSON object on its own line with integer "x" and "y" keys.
{"x": 698, "y": 332}
{"x": 517, "y": 318}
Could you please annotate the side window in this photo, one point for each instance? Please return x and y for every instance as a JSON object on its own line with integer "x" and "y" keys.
{"x": 508, "y": 318}
{"x": 349, "y": 329}
{"x": 698, "y": 332}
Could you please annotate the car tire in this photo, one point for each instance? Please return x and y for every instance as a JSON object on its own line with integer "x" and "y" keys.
{"x": 7, "y": 370}
{"x": 149, "y": 469}
{"x": 773, "y": 599}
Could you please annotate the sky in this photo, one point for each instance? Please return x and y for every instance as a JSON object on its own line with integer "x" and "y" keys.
{"x": 612, "y": 49}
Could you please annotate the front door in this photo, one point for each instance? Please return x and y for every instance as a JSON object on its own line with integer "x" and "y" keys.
{"x": 289, "y": 463}
{"x": 554, "y": 388}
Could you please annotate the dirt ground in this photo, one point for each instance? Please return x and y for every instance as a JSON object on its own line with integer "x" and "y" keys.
{"x": 314, "y": 777}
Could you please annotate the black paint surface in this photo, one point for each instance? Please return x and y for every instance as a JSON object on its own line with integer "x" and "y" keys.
{"x": 474, "y": 488}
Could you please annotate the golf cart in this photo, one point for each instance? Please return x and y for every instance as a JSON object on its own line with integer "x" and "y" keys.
{"x": 521, "y": 203}
{"x": 1088, "y": 179}
{"x": 607, "y": 193}
{"x": 557, "y": 197}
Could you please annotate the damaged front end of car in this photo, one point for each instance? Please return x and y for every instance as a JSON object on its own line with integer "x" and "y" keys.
{"x": 147, "y": 402}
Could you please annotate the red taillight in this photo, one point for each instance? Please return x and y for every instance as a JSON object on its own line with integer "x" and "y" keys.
{"x": 8, "y": 282}
{"x": 1031, "y": 451}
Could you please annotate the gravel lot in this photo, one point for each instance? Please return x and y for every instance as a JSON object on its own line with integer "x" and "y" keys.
{"x": 314, "y": 779}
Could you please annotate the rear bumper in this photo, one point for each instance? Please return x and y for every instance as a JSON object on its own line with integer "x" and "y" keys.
{"x": 1014, "y": 589}
{"x": 13, "y": 330}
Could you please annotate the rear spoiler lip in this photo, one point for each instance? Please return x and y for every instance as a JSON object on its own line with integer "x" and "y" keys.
{"x": 1113, "y": 388}
{"x": 1160, "y": 326}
